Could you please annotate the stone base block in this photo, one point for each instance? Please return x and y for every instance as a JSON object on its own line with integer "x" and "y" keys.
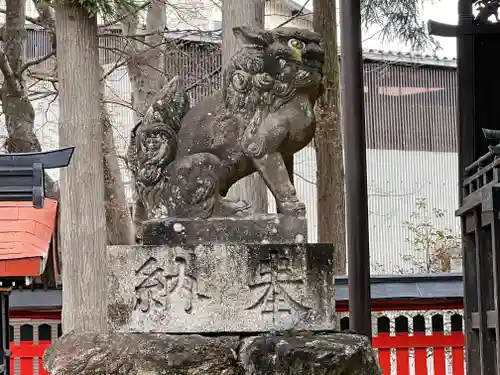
{"x": 91, "y": 353}
{"x": 232, "y": 288}
{"x": 256, "y": 229}
{"x": 295, "y": 354}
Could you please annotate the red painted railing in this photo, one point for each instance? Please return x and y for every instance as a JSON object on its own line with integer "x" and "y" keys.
{"x": 420, "y": 343}
{"x": 403, "y": 340}
{"x": 28, "y": 353}
{"x": 411, "y": 347}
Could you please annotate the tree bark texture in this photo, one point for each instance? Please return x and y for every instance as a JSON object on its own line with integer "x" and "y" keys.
{"x": 82, "y": 218}
{"x": 328, "y": 140}
{"x": 144, "y": 65}
{"x": 119, "y": 225}
{"x": 16, "y": 106}
{"x": 251, "y": 189}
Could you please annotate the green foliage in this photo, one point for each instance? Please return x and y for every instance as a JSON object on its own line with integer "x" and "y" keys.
{"x": 436, "y": 247}
{"x": 398, "y": 20}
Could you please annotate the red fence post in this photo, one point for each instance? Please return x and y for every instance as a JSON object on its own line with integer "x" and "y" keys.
{"x": 439, "y": 353}
{"x": 402, "y": 354}
{"x": 457, "y": 351}
{"x": 420, "y": 351}
{"x": 43, "y": 345}
{"x": 384, "y": 355}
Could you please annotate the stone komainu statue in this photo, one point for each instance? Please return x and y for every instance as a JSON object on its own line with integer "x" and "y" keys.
{"x": 185, "y": 160}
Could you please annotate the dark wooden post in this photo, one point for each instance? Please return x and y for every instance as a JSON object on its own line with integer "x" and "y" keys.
{"x": 481, "y": 258}
{"x": 478, "y": 56}
{"x": 4, "y": 330}
{"x": 353, "y": 124}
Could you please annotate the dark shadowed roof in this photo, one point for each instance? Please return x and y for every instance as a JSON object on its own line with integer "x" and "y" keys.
{"x": 432, "y": 286}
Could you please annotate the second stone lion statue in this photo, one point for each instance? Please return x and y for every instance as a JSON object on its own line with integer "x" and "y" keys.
{"x": 185, "y": 160}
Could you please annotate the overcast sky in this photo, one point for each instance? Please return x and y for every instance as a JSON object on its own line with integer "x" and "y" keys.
{"x": 441, "y": 10}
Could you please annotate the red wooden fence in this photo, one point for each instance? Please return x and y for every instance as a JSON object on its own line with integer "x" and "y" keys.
{"x": 28, "y": 353}
{"x": 409, "y": 345}
{"x": 420, "y": 342}
{"x": 416, "y": 342}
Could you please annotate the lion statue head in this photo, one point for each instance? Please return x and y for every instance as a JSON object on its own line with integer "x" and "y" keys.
{"x": 272, "y": 67}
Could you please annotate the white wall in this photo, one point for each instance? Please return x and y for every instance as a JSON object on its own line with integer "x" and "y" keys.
{"x": 396, "y": 180}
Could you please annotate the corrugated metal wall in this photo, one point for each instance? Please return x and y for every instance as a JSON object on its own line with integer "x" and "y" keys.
{"x": 412, "y": 144}
{"x": 410, "y": 125}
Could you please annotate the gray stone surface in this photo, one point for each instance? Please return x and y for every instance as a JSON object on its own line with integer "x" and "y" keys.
{"x": 184, "y": 160}
{"x": 257, "y": 229}
{"x": 319, "y": 354}
{"x": 91, "y": 353}
{"x": 220, "y": 288}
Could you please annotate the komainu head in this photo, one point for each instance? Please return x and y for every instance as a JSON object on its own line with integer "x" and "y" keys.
{"x": 278, "y": 63}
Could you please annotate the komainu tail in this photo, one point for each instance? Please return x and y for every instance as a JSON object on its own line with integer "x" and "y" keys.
{"x": 153, "y": 140}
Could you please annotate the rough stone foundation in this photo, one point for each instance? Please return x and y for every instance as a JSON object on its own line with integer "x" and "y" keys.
{"x": 92, "y": 353}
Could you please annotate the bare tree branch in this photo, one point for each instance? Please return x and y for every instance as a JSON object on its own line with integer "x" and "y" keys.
{"x": 298, "y": 14}
{"x": 36, "y": 62}
{"x": 9, "y": 76}
{"x": 32, "y": 20}
{"x": 204, "y": 78}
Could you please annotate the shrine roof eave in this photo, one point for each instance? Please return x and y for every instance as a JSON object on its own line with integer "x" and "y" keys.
{"x": 409, "y": 287}
{"x": 26, "y": 238}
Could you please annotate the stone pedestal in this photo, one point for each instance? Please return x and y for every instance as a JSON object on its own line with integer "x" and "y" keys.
{"x": 218, "y": 297}
{"x": 257, "y": 229}
{"x": 220, "y": 288}
{"x": 92, "y": 353}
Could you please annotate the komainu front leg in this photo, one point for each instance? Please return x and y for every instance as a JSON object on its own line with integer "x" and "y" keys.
{"x": 273, "y": 170}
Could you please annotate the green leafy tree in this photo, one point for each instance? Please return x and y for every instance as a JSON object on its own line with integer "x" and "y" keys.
{"x": 398, "y": 20}
{"x": 435, "y": 249}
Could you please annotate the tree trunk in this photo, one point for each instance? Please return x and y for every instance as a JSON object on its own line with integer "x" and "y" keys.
{"x": 251, "y": 189}
{"x": 329, "y": 154}
{"x": 82, "y": 218}
{"x": 20, "y": 118}
{"x": 145, "y": 72}
{"x": 120, "y": 228}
